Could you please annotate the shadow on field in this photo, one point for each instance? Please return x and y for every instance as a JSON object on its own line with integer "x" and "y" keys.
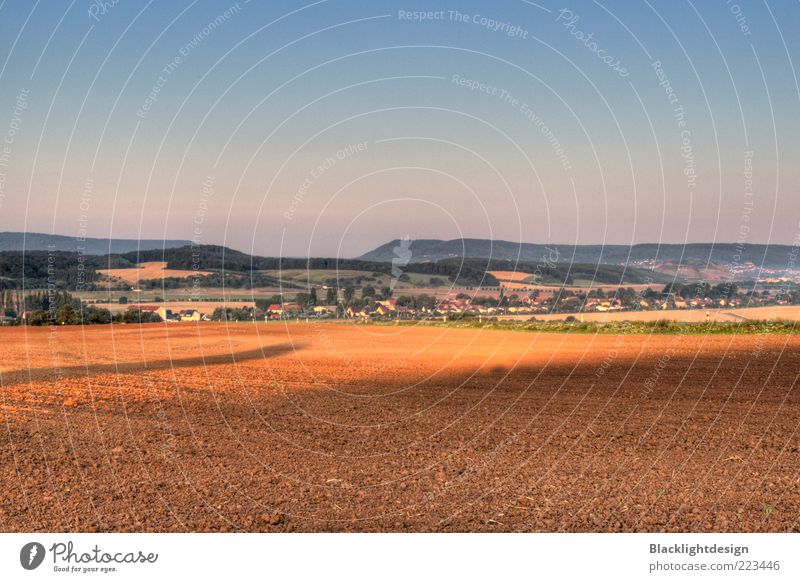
{"x": 50, "y": 373}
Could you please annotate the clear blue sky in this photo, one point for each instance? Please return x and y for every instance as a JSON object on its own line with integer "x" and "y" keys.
{"x": 240, "y": 123}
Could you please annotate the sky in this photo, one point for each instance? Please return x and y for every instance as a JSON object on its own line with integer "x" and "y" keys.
{"x": 328, "y": 128}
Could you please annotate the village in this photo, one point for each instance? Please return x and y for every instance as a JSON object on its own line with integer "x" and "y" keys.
{"x": 503, "y": 301}
{"x": 514, "y": 295}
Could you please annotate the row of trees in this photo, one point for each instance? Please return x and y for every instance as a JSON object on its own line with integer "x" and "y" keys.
{"x": 61, "y": 308}
{"x": 312, "y": 298}
{"x": 68, "y": 315}
{"x": 233, "y": 314}
{"x": 703, "y": 290}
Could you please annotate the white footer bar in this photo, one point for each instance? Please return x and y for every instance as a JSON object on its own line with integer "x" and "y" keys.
{"x": 407, "y": 557}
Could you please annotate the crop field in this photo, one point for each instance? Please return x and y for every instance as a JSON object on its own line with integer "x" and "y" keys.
{"x": 189, "y": 293}
{"x": 149, "y": 270}
{"x": 511, "y": 275}
{"x": 317, "y": 276}
{"x": 345, "y": 277}
{"x": 340, "y": 427}
{"x": 778, "y": 312}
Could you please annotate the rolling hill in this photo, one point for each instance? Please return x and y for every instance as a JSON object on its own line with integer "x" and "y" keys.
{"x": 35, "y": 241}
{"x": 640, "y": 255}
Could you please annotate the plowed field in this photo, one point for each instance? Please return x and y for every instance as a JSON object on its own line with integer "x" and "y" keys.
{"x": 338, "y": 427}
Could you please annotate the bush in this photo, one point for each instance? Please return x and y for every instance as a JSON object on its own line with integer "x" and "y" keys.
{"x": 137, "y": 316}
{"x": 37, "y": 317}
{"x": 95, "y": 315}
{"x": 67, "y": 315}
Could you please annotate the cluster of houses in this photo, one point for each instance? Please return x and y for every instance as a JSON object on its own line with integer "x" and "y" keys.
{"x": 548, "y": 301}
{"x": 386, "y": 308}
{"x": 532, "y": 306}
{"x": 669, "y": 301}
{"x": 167, "y": 314}
{"x": 290, "y": 310}
{"x": 641, "y": 303}
{"x": 444, "y": 307}
{"x": 273, "y": 311}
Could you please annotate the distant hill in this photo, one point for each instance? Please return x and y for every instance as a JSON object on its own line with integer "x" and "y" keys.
{"x": 34, "y": 241}
{"x": 228, "y": 267}
{"x": 641, "y": 255}
{"x": 468, "y": 272}
{"x": 211, "y": 257}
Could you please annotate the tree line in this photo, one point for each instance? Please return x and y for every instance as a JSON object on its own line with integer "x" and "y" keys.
{"x": 62, "y": 308}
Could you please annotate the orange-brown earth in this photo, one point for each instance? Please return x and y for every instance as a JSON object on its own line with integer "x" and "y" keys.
{"x": 338, "y": 427}
{"x": 510, "y": 275}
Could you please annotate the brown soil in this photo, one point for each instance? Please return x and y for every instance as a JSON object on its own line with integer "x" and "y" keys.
{"x": 337, "y": 427}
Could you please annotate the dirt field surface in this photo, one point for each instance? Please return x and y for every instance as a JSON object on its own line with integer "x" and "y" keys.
{"x": 338, "y": 427}
{"x": 150, "y": 270}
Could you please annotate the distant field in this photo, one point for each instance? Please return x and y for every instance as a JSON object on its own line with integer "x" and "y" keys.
{"x": 322, "y": 276}
{"x": 201, "y": 293}
{"x": 578, "y": 287}
{"x": 516, "y": 280}
{"x": 316, "y": 276}
{"x": 150, "y": 270}
{"x": 510, "y": 275}
{"x": 783, "y": 312}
